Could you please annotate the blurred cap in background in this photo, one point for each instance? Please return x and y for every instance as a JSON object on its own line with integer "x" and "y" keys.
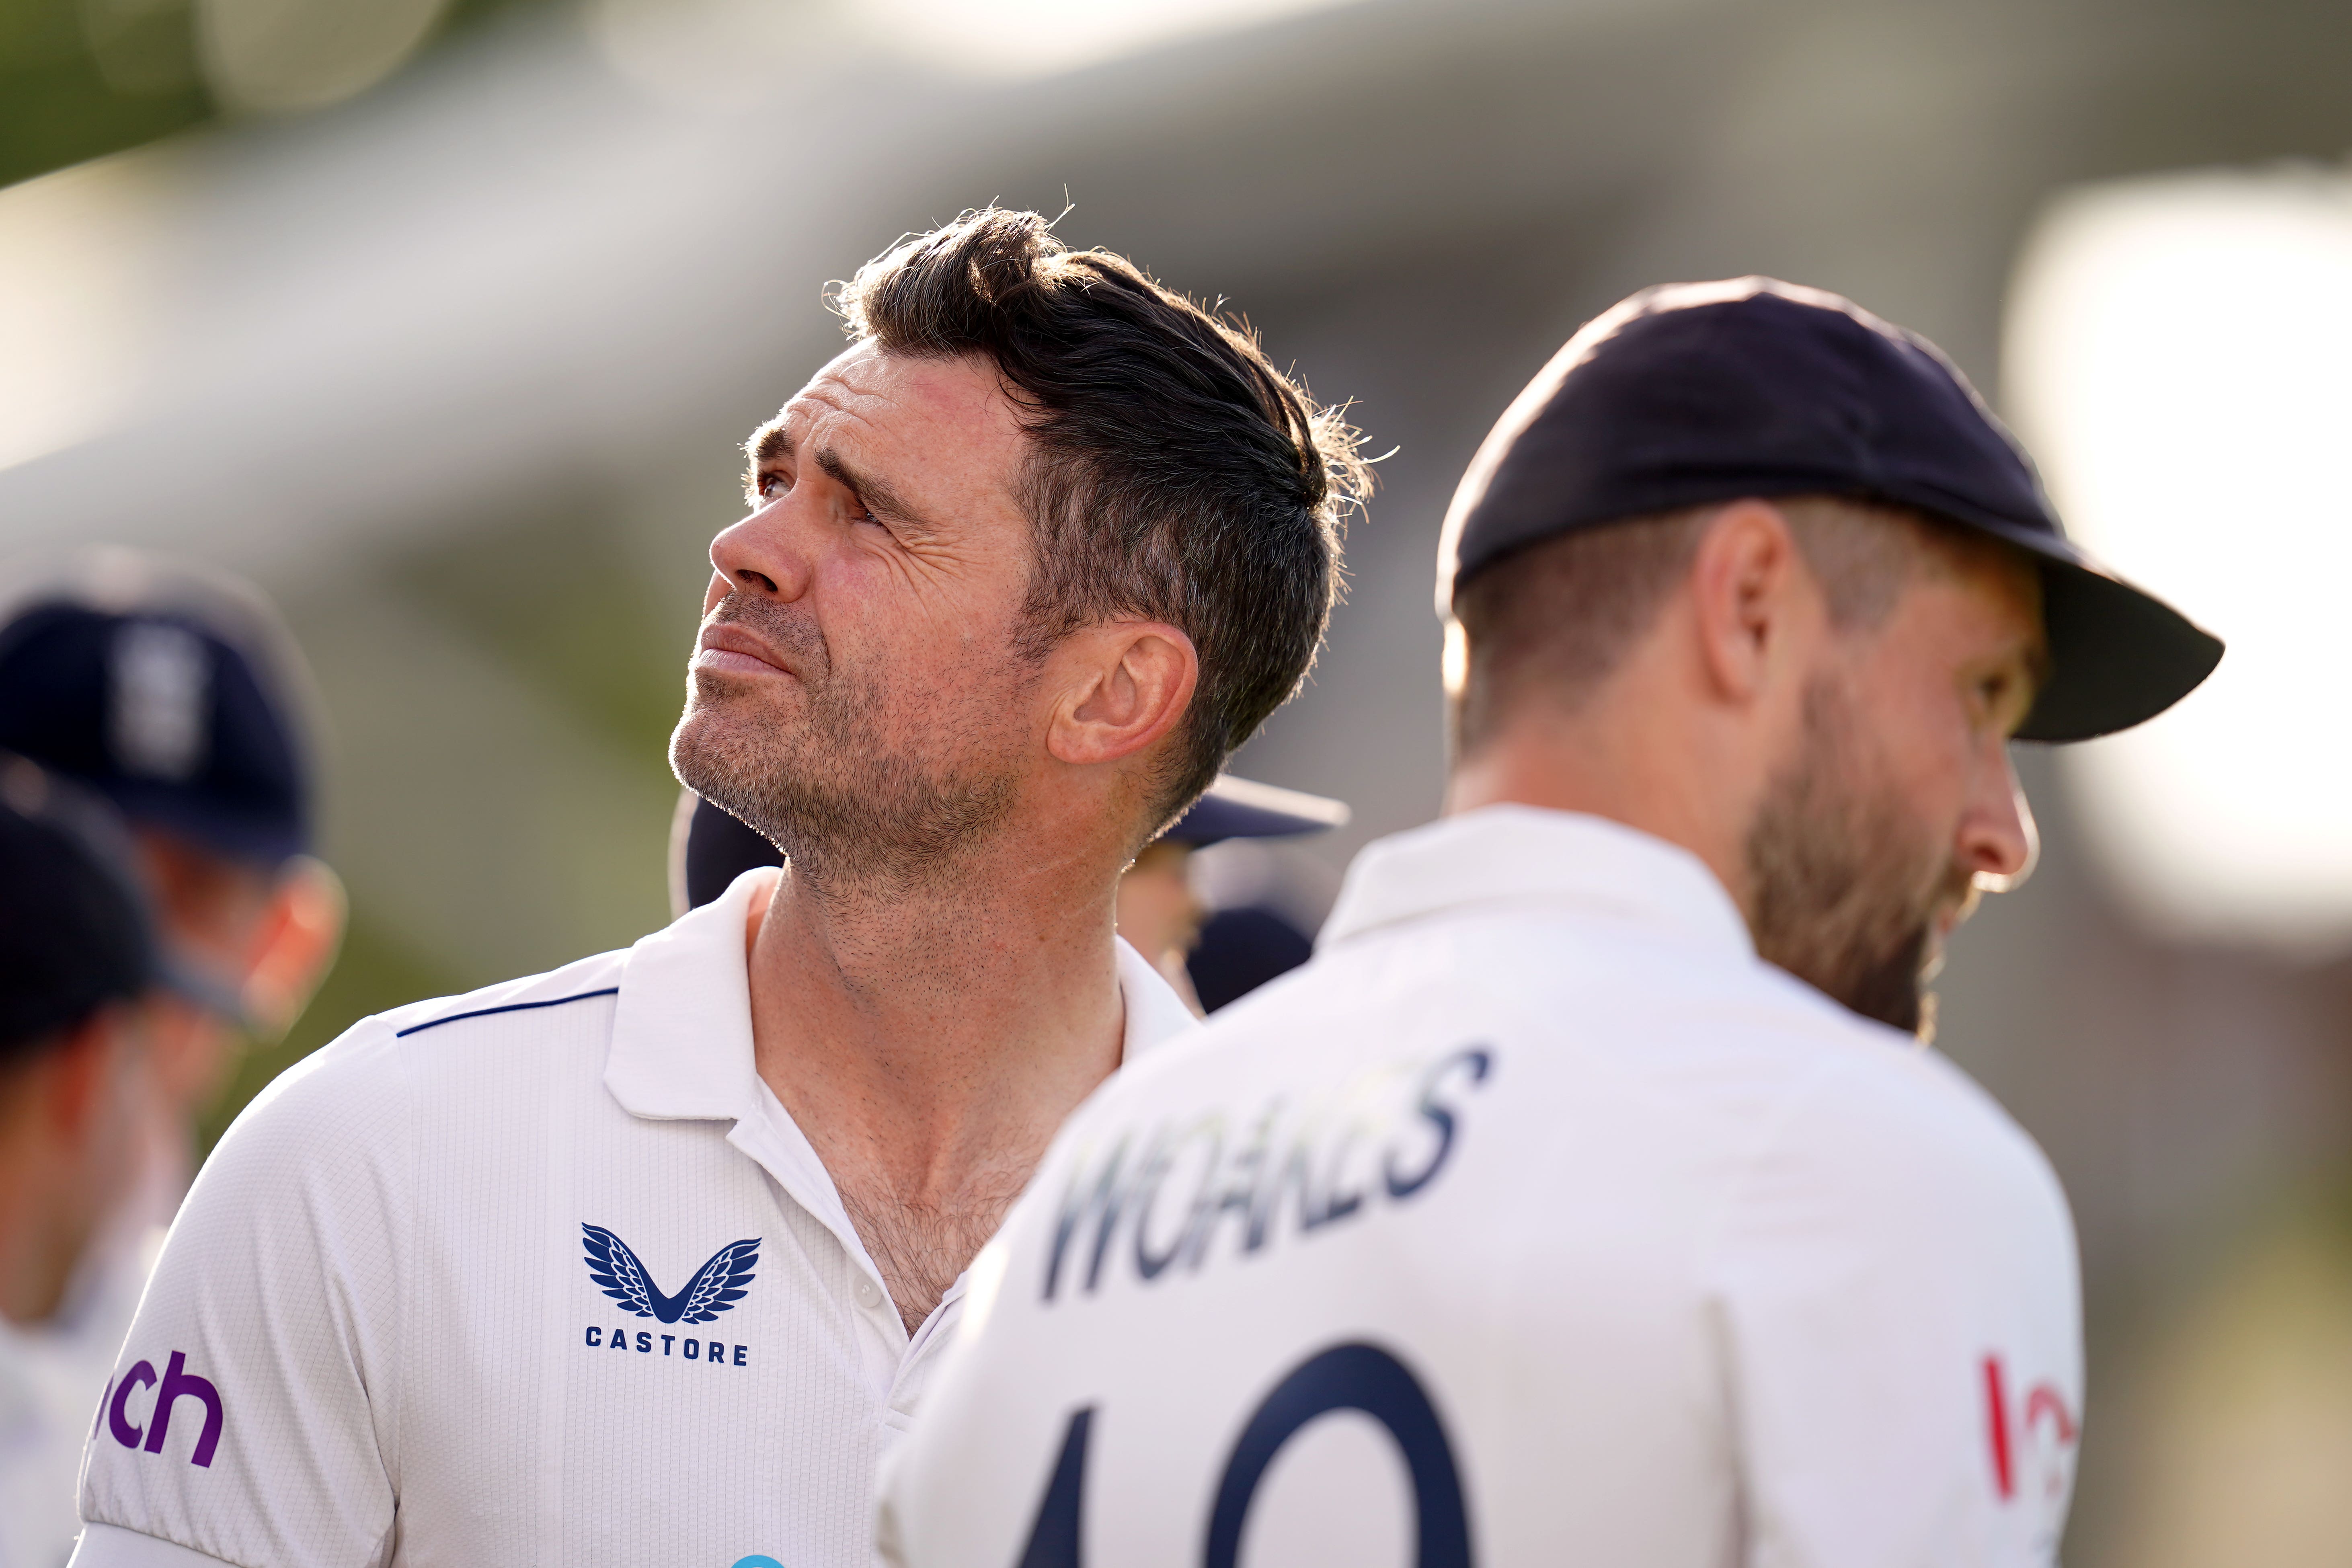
{"x": 708, "y": 851}
{"x": 1237, "y": 945}
{"x": 1242, "y": 808}
{"x": 74, "y": 933}
{"x": 173, "y": 691}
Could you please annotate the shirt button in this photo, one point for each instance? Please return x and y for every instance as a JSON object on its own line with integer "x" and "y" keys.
{"x": 869, "y": 1295}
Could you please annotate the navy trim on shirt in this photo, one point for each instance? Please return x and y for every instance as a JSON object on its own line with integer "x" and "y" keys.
{"x": 510, "y": 1007}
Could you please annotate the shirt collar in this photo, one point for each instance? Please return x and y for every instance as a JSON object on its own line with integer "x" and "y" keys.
{"x": 682, "y": 1025}
{"x": 1155, "y": 1013}
{"x": 1523, "y": 855}
{"x": 682, "y": 1028}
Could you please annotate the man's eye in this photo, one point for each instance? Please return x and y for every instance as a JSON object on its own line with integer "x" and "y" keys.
{"x": 2005, "y": 699}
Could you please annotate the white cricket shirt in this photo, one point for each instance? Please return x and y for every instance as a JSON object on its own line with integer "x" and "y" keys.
{"x": 1537, "y": 1221}
{"x": 544, "y": 1274}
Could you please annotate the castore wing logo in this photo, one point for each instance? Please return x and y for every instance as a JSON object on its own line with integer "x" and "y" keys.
{"x": 717, "y": 1286}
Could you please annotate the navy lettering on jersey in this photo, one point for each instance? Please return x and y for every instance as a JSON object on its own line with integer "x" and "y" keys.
{"x": 1386, "y": 1134}
{"x": 1054, "y": 1534}
{"x": 597, "y": 1336}
{"x": 1349, "y": 1377}
{"x": 1352, "y": 1376}
{"x": 1440, "y": 1116}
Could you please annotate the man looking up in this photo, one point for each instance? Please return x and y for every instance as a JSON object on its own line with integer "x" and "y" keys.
{"x": 643, "y": 1260}
{"x": 1596, "y": 1157}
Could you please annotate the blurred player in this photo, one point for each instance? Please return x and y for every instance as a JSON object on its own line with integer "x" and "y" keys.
{"x": 78, "y": 965}
{"x": 1159, "y": 912}
{"x": 176, "y": 692}
{"x": 644, "y": 1260}
{"x": 1590, "y": 1197}
{"x": 1156, "y": 913}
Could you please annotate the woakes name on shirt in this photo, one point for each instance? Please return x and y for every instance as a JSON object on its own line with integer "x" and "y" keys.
{"x": 1378, "y": 1138}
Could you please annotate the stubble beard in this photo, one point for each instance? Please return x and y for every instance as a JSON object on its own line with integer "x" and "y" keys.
{"x": 1846, "y": 884}
{"x": 855, "y": 807}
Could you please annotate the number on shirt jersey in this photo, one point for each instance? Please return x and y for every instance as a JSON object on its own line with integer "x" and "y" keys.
{"x": 1345, "y": 1377}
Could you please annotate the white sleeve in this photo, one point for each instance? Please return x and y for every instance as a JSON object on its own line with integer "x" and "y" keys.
{"x": 104, "y": 1546}
{"x": 1895, "y": 1284}
{"x": 253, "y": 1413}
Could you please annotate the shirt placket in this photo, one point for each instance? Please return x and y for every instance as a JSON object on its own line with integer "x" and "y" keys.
{"x": 766, "y": 1134}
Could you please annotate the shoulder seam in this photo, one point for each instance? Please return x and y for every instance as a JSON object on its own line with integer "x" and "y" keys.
{"x": 510, "y": 1007}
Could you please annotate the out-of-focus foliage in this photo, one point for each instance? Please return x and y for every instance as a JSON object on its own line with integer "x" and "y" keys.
{"x": 80, "y": 78}
{"x": 552, "y": 594}
{"x": 551, "y": 597}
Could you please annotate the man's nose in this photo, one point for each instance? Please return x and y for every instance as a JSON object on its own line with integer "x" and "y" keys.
{"x": 1998, "y": 841}
{"x": 760, "y": 554}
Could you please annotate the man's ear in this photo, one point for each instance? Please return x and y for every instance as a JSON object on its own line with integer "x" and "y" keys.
{"x": 1123, "y": 687}
{"x": 1752, "y": 595}
{"x": 296, "y": 945}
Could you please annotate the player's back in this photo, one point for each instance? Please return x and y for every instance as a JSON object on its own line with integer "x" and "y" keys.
{"x": 1535, "y": 1216}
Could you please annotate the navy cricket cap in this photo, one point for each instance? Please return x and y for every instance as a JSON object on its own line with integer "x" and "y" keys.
{"x": 1697, "y": 393}
{"x": 74, "y": 933}
{"x": 708, "y": 849}
{"x": 1243, "y": 808}
{"x": 172, "y": 689}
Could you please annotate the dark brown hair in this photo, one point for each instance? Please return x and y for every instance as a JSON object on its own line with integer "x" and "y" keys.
{"x": 1175, "y": 473}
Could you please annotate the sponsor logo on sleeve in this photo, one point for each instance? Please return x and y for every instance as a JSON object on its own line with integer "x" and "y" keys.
{"x": 2032, "y": 1442}
{"x": 145, "y": 1427}
{"x": 715, "y": 1287}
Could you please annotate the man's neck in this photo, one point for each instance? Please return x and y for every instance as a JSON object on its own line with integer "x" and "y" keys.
{"x": 38, "y": 1240}
{"x": 1687, "y": 794}
{"x": 929, "y": 1045}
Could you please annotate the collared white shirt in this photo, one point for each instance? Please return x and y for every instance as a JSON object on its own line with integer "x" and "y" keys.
{"x": 1537, "y": 1220}
{"x": 544, "y": 1274}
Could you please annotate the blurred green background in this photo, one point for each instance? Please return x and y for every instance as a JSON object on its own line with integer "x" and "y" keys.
{"x": 83, "y": 78}
{"x": 80, "y": 78}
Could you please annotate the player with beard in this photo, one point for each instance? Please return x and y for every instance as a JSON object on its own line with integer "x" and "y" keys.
{"x": 1594, "y": 1169}
{"x": 646, "y": 1260}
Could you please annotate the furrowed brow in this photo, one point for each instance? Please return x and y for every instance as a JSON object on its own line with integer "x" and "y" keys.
{"x": 875, "y": 492}
{"x": 771, "y": 442}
